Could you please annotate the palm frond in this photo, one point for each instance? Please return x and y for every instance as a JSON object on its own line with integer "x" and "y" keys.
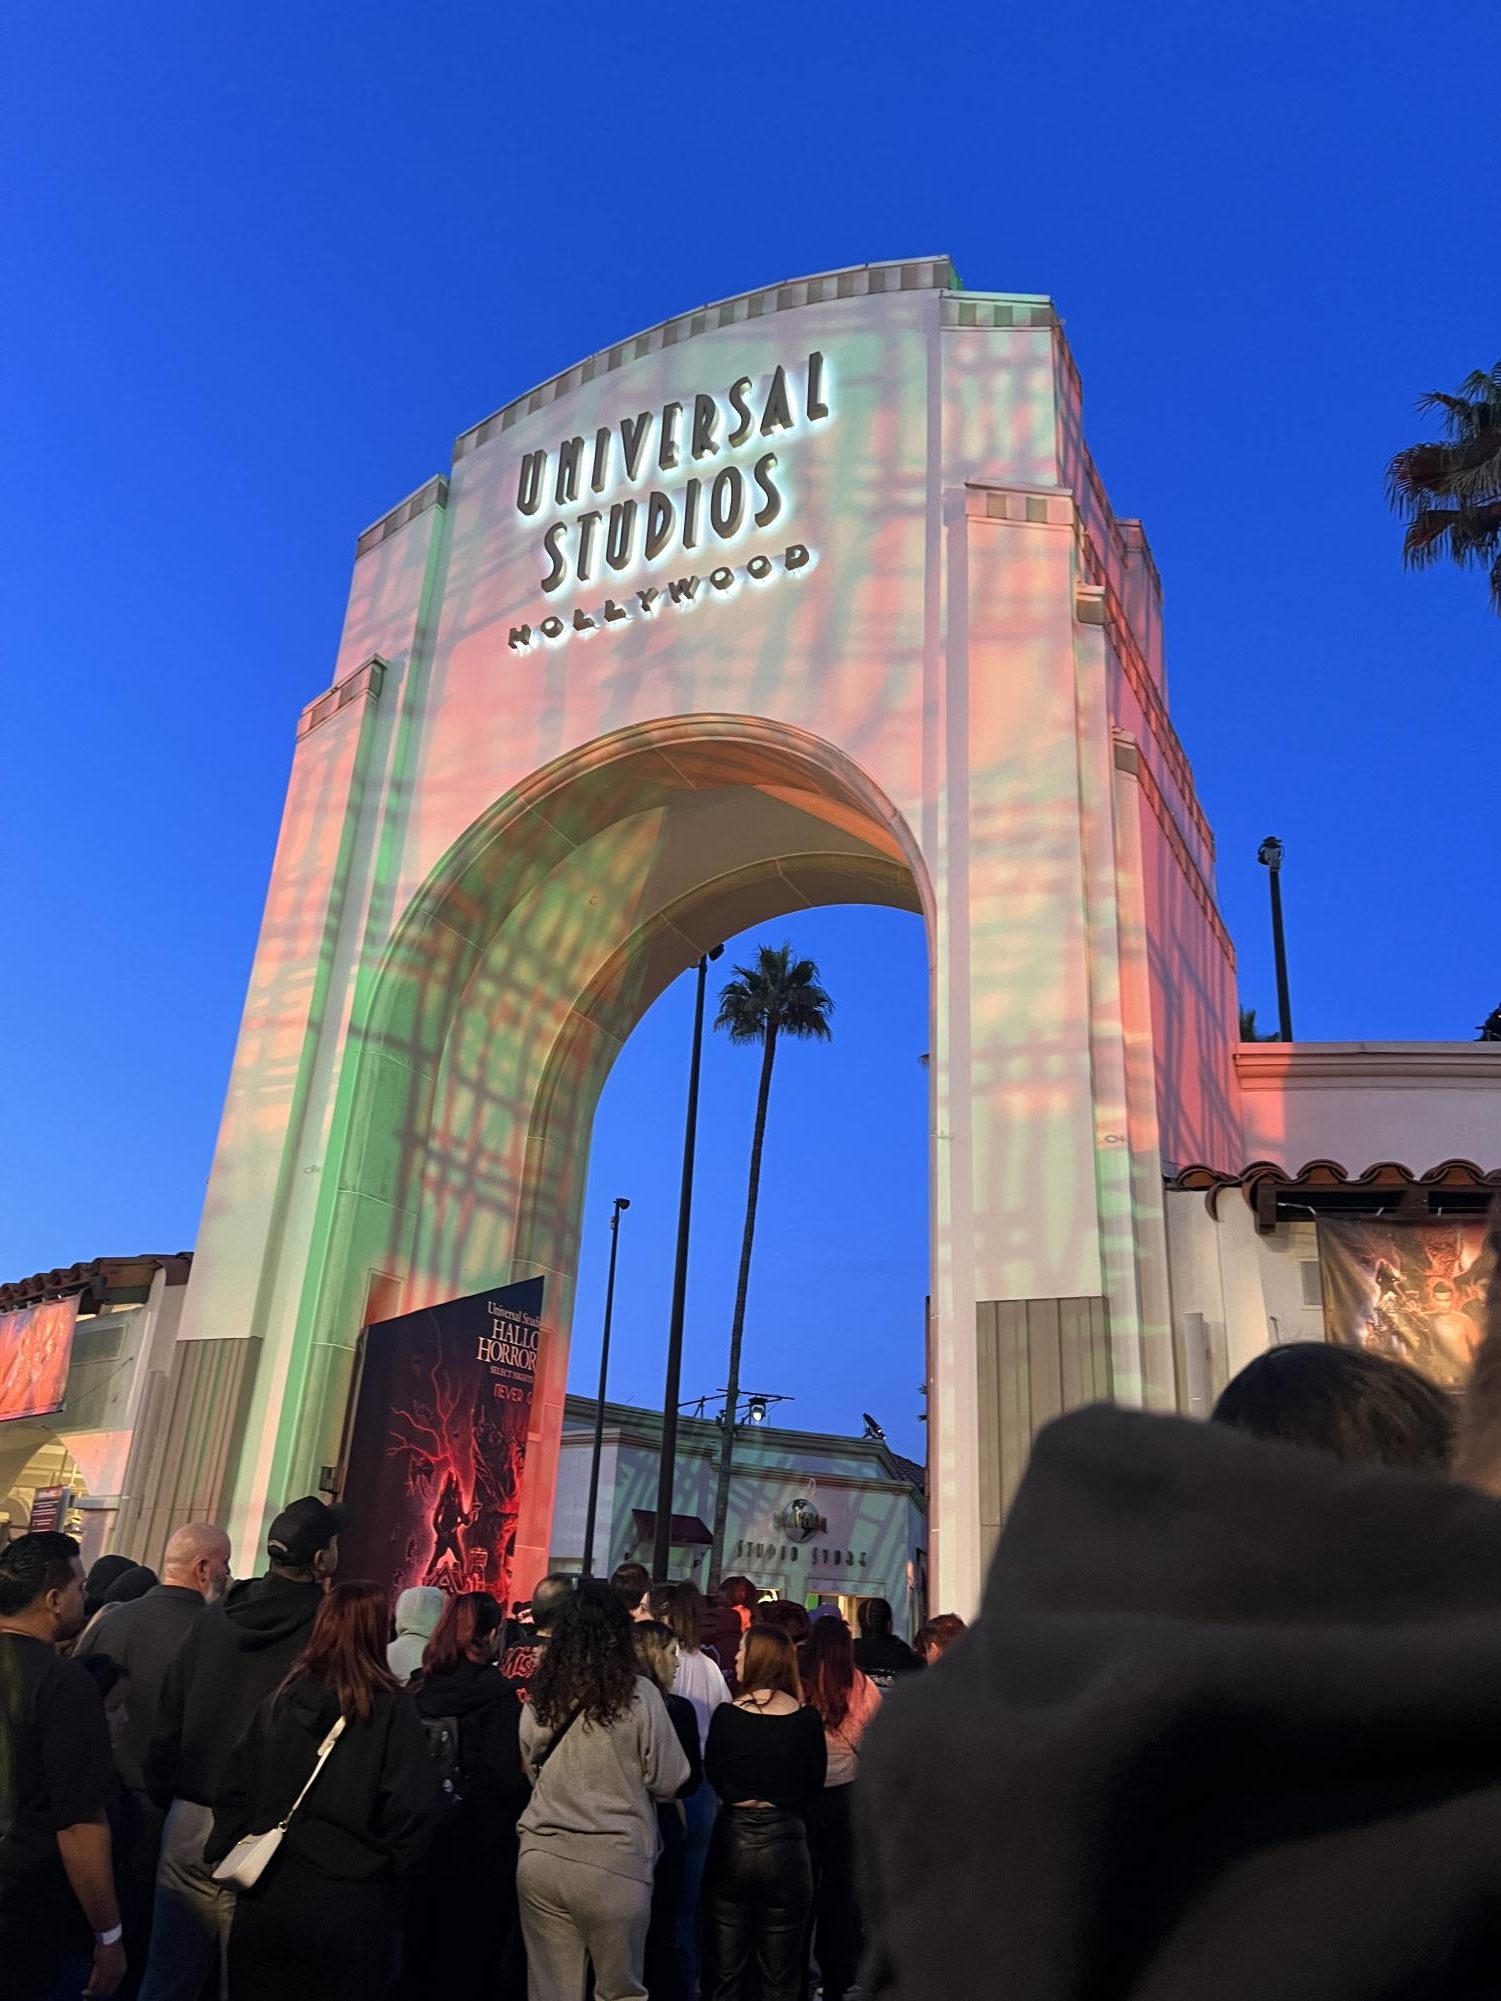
{"x": 777, "y": 990}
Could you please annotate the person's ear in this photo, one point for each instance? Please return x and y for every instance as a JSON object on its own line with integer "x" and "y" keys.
{"x": 1477, "y": 1452}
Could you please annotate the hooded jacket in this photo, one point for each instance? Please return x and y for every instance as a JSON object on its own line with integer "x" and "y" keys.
{"x": 373, "y": 1810}
{"x": 418, "y": 1610}
{"x": 1226, "y": 1727}
{"x": 488, "y": 1714}
{"x": 233, "y": 1658}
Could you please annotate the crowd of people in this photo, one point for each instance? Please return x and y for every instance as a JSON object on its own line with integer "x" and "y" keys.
{"x": 1223, "y": 1727}
{"x": 288, "y": 1787}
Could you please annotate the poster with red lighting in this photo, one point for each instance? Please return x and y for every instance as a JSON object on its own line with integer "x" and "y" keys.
{"x": 438, "y": 1447}
{"x": 1415, "y": 1291}
{"x": 36, "y": 1345}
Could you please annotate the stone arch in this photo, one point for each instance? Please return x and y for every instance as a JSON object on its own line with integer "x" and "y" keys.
{"x": 479, "y": 1049}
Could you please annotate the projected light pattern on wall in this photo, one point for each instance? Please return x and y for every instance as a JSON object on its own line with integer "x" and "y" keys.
{"x": 494, "y": 858}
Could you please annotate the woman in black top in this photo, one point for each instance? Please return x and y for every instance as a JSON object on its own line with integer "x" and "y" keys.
{"x": 324, "y": 1922}
{"x": 472, "y": 1864}
{"x": 766, "y": 1758}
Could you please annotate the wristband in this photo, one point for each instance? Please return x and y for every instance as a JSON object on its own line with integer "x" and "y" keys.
{"x": 111, "y": 1937}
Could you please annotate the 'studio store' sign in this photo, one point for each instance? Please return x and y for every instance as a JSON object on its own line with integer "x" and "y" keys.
{"x": 661, "y": 488}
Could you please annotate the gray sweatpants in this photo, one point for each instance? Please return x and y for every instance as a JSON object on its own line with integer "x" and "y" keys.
{"x": 574, "y": 1916}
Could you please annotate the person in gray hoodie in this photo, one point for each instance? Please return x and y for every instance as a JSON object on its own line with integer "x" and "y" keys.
{"x": 418, "y": 1610}
{"x": 600, "y": 1751}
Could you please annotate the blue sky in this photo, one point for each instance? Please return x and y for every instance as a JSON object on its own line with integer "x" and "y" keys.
{"x": 263, "y": 264}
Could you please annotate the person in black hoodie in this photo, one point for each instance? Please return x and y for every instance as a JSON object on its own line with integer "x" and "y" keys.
{"x": 878, "y": 1652}
{"x": 233, "y": 1658}
{"x": 324, "y": 1921}
{"x": 472, "y": 1864}
{"x": 1226, "y": 1726}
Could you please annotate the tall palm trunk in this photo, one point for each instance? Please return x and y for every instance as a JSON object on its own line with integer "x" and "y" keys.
{"x": 737, "y": 1328}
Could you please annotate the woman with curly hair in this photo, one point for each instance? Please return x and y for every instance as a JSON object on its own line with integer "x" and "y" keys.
{"x": 600, "y": 1752}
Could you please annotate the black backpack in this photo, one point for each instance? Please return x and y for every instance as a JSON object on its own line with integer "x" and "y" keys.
{"x": 442, "y": 1733}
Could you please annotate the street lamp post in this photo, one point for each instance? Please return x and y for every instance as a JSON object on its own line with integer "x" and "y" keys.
{"x": 1269, "y": 854}
{"x": 667, "y": 1469}
{"x": 621, "y": 1202}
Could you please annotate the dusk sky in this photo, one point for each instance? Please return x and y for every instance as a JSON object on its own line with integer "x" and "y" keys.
{"x": 263, "y": 264}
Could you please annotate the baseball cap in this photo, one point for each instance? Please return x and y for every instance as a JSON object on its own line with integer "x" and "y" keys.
{"x": 302, "y": 1529}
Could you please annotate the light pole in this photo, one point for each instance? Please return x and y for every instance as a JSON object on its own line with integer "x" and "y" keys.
{"x": 1269, "y": 854}
{"x": 662, "y": 1540}
{"x": 621, "y": 1202}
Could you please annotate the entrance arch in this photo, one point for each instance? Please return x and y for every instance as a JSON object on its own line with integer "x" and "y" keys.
{"x": 581, "y": 724}
{"x": 508, "y": 989}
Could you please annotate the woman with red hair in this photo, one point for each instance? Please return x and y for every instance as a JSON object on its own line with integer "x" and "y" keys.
{"x": 845, "y": 1701}
{"x": 324, "y": 1921}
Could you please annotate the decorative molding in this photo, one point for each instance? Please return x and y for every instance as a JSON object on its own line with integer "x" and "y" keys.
{"x": 434, "y": 494}
{"x": 1305, "y": 1066}
{"x": 1128, "y": 758}
{"x": 925, "y": 274}
{"x": 366, "y": 681}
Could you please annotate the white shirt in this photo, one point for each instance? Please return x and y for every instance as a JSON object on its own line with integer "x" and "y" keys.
{"x": 704, "y": 1686}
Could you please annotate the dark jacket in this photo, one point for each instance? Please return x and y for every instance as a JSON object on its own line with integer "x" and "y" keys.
{"x": 144, "y": 1636}
{"x": 885, "y": 1659}
{"x": 373, "y": 1810}
{"x": 684, "y": 1719}
{"x": 1226, "y": 1728}
{"x": 495, "y": 1788}
{"x": 230, "y": 1662}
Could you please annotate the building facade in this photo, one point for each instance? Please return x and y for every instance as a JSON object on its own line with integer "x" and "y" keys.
{"x": 815, "y": 1518}
{"x": 810, "y": 595}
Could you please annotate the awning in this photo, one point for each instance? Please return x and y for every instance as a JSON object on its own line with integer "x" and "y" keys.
{"x": 686, "y": 1531}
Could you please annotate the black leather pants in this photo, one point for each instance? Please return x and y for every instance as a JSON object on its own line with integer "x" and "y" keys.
{"x": 758, "y": 1892}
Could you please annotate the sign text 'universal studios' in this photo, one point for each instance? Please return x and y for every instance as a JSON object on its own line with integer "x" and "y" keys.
{"x": 677, "y": 501}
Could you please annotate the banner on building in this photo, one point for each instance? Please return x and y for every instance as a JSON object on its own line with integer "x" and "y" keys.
{"x": 1415, "y": 1291}
{"x": 438, "y": 1447}
{"x": 36, "y": 1345}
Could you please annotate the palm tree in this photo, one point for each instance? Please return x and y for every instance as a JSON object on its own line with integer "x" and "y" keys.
{"x": 1451, "y": 492}
{"x": 777, "y": 995}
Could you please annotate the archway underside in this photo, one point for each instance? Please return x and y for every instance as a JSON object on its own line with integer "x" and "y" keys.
{"x": 505, "y": 999}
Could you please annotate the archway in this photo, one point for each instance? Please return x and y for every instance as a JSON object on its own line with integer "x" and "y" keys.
{"x": 479, "y": 1050}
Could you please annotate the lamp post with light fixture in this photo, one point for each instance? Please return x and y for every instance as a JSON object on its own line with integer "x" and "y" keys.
{"x": 621, "y": 1202}
{"x": 667, "y": 1464}
{"x": 1269, "y": 854}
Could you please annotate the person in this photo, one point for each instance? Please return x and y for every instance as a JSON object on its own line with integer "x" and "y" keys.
{"x": 936, "y": 1637}
{"x": 721, "y": 1630}
{"x": 700, "y": 1682}
{"x": 103, "y": 1572}
{"x": 418, "y": 1610}
{"x": 878, "y": 1651}
{"x": 631, "y": 1582}
{"x": 324, "y": 1921}
{"x": 56, "y": 1775}
{"x": 229, "y": 1663}
{"x": 128, "y": 1586}
{"x": 600, "y": 1750}
{"x": 657, "y": 1658}
{"x": 767, "y": 1759}
{"x": 1224, "y": 1726}
{"x": 519, "y": 1661}
{"x": 472, "y": 1864}
{"x": 143, "y": 1634}
{"x": 1368, "y": 1410}
{"x": 789, "y": 1616}
{"x": 131, "y": 1841}
{"x": 845, "y": 1700}
{"x": 743, "y": 1598}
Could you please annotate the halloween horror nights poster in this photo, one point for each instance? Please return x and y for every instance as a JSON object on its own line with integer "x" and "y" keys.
{"x": 436, "y": 1457}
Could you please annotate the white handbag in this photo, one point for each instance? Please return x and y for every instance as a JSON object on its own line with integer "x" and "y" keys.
{"x": 246, "y": 1863}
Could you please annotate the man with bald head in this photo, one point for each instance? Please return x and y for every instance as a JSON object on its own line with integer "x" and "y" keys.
{"x": 144, "y": 1635}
